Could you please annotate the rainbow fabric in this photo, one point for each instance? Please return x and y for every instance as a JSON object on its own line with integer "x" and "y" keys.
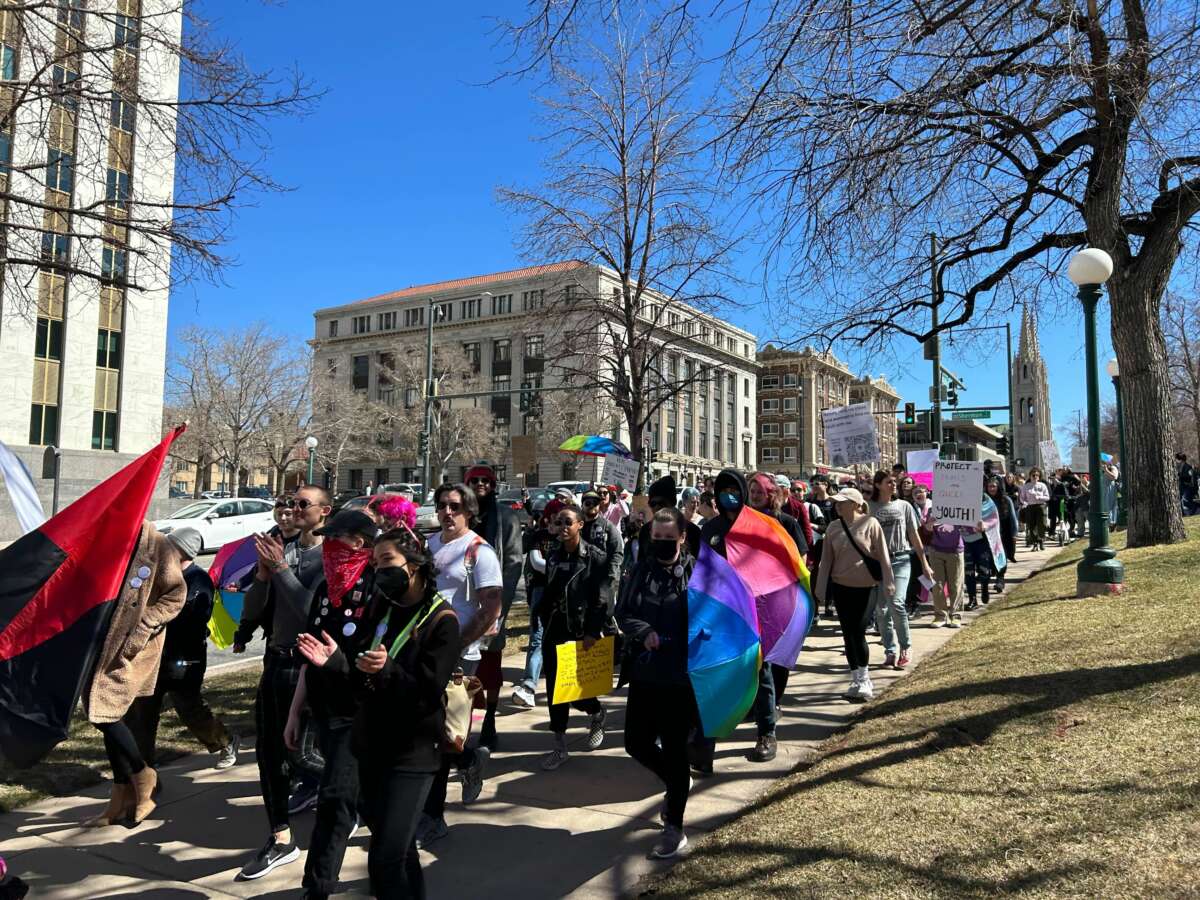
{"x": 761, "y": 552}
{"x": 230, "y": 571}
{"x": 724, "y": 654}
{"x": 594, "y": 445}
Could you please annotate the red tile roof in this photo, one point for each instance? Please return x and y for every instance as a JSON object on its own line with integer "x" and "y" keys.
{"x": 477, "y": 281}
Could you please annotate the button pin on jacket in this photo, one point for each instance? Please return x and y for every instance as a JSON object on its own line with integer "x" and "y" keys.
{"x": 144, "y": 572}
{"x": 135, "y": 583}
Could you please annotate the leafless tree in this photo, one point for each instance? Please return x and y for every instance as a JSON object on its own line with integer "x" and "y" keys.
{"x": 349, "y": 426}
{"x": 1181, "y": 325}
{"x": 287, "y": 423}
{"x": 1018, "y": 130}
{"x": 626, "y": 187}
{"x": 89, "y": 91}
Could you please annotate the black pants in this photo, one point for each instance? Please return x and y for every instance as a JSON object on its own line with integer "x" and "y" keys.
{"x": 271, "y": 706}
{"x": 664, "y": 713}
{"x": 435, "y": 803}
{"x": 853, "y": 609}
{"x": 122, "y": 751}
{"x": 561, "y": 712}
{"x": 190, "y": 706}
{"x": 977, "y": 567}
{"x": 772, "y": 682}
{"x": 337, "y": 805}
{"x": 392, "y": 803}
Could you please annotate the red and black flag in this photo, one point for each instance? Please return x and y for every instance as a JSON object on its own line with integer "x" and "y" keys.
{"x": 58, "y": 585}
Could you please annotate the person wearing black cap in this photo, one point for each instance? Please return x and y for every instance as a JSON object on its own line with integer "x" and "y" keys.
{"x": 661, "y": 495}
{"x": 181, "y": 672}
{"x": 601, "y": 533}
{"x": 337, "y": 621}
{"x": 498, "y": 525}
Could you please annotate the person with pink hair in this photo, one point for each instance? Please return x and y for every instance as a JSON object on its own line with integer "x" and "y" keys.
{"x": 393, "y": 510}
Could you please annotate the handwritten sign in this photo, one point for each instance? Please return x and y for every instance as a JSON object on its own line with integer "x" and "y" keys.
{"x": 920, "y": 466}
{"x": 957, "y": 491}
{"x": 1079, "y": 459}
{"x": 1051, "y": 458}
{"x": 620, "y": 471}
{"x": 583, "y": 673}
{"x": 524, "y": 453}
{"x": 850, "y": 435}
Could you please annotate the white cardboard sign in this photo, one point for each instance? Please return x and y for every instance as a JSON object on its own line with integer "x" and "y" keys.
{"x": 957, "y": 491}
{"x": 850, "y": 435}
{"x": 620, "y": 471}
{"x": 1051, "y": 459}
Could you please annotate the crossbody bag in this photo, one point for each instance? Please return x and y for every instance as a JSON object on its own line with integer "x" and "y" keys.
{"x": 874, "y": 567}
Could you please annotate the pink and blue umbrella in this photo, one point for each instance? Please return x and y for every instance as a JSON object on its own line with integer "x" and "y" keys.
{"x": 594, "y": 445}
{"x": 231, "y": 572}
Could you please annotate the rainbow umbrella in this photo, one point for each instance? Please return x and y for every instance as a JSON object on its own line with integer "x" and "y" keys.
{"x": 231, "y": 572}
{"x": 761, "y": 552}
{"x": 724, "y": 653}
{"x": 594, "y": 445}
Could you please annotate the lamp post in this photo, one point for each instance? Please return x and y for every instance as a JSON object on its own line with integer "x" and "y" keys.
{"x": 1114, "y": 370}
{"x": 1099, "y": 572}
{"x": 311, "y": 443}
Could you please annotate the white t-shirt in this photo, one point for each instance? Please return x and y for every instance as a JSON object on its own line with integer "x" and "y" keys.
{"x": 450, "y": 560}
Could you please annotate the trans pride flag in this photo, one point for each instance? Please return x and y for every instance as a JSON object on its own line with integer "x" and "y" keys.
{"x": 231, "y": 571}
{"x": 724, "y": 654}
{"x": 760, "y": 550}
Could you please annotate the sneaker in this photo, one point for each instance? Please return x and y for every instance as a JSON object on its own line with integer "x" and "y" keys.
{"x": 354, "y": 828}
{"x": 227, "y": 755}
{"x": 939, "y": 621}
{"x": 855, "y": 687}
{"x": 889, "y": 661}
{"x": 866, "y": 690}
{"x": 556, "y": 757}
{"x": 971, "y": 604}
{"x": 305, "y": 797}
{"x": 672, "y": 843}
{"x": 765, "y": 749}
{"x": 956, "y": 622}
{"x": 430, "y": 829}
{"x": 271, "y": 856}
{"x": 596, "y": 730}
{"x": 524, "y": 698}
{"x": 902, "y": 661}
{"x": 1000, "y": 584}
{"x": 472, "y": 775}
{"x": 487, "y": 734}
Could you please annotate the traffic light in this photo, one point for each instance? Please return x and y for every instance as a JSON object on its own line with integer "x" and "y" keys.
{"x": 948, "y": 450}
{"x": 1002, "y": 445}
{"x": 526, "y": 396}
{"x": 952, "y": 397}
{"x": 910, "y": 414}
{"x": 649, "y": 454}
{"x": 422, "y": 445}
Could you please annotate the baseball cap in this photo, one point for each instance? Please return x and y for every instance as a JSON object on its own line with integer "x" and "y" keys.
{"x": 349, "y": 521}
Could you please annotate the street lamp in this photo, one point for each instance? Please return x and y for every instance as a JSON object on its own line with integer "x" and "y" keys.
{"x": 1099, "y": 572}
{"x": 311, "y": 443}
{"x": 1114, "y": 371}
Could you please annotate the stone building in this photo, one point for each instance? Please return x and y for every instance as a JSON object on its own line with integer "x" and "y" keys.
{"x": 511, "y": 326}
{"x": 1031, "y": 395}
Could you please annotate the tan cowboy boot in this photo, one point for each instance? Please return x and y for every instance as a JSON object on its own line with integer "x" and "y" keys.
{"x": 119, "y": 806}
{"x": 143, "y": 787}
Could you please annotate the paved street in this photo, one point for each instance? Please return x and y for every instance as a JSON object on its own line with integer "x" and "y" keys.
{"x": 582, "y": 831}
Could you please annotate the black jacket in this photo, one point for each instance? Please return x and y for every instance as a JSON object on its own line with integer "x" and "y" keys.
{"x": 281, "y": 605}
{"x": 185, "y": 648}
{"x": 575, "y": 602}
{"x": 400, "y": 721}
{"x": 330, "y": 692}
{"x": 714, "y": 530}
{"x": 654, "y": 599}
{"x": 792, "y": 527}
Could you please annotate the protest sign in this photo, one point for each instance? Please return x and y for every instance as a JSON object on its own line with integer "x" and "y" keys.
{"x": 990, "y": 515}
{"x": 850, "y": 435}
{"x": 1051, "y": 458}
{"x": 1079, "y": 459}
{"x": 620, "y": 471}
{"x": 957, "y": 491}
{"x": 524, "y": 453}
{"x": 920, "y": 466}
{"x": 583, "y": 673}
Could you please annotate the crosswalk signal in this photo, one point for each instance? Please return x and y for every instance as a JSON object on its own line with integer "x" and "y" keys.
{"x": 526, "y": 396}
{"x": 910, "y": 414}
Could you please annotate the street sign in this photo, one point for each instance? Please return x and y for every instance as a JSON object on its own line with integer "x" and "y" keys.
{"x": 933, "y": 394}
{"x": 971, "y": 414}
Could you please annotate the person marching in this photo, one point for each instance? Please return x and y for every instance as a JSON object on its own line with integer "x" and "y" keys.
{"x": 574, "y": 607}
{"x": 661, "y": 711}
{"x": 854, "y": 560}
{"x": 901, "y": 529}
{"x": 605, "y": 536}
{"x": 1008, "y": 526}
{"x": 127, "y": 668}
{"x": 181, "y": 673}
{"x": 538, "y": 543}
{"x": 1035, "y": 497}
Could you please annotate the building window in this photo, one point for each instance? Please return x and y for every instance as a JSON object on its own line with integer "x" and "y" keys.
{"x": 791, "y": 429}
{"x": 745, "y": 387}
{"x": 791, "y": 379}
{"x": 769, "y": 383}
{"x": 121, "y": 113}
{"x": 56, "y": 248}
{"x": 502, "y": 351}
{"x": 471, "y": 309}
{"x": 502, "y": 383}
{"x": 356, "y": 479}
{"x": 445, "y": 312}
{"x": 333, "y": 327}
{"x": 387, "y": 321}
{"x": 789, "y": 404}
{"x": 672, "y": 447}
{"x": 731, "y": 450}
{"x": 59, "y": 165}
{"x": 769, "y": 429}
{"x": 48, "y": 340}
{"x": 414, "y": 316}
{"x": 8, "y": 63}
{"x": 64, "y": 81}
{"x": 501, "y": 304}
{"x": 702, "y": 449}
{"x": 789, "y": 454}
{"x": 770, "y": 454}
{"x": 104, "y": 430}
{"x": 43, "y": 424}
{"x": 116, "y": 189}
{"x": 113, "y": 262}
{"x": 533, "y": 300}
{"x": 471, "y": 351}
{"x": 746, "y": 454}
{"x": 745, "y": 417}
{"x": 126, "y": 31}
{"x": 535, "y": 346}
{"x": 361, "y": 324}
{"x": 108, "y": 349}
{"x": 769, "y": 405}
{"x": 360, "y": 372}
{"x": 688, "y": 448}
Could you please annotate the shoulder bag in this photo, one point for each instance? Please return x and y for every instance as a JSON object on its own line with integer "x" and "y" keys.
{"x": 874, "y": 566}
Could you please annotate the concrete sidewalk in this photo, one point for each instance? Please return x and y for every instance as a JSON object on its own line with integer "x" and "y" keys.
{"x": 582, "y": 831}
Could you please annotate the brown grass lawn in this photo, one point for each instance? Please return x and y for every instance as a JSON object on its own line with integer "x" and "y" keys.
{"x": 1052, "y": 749}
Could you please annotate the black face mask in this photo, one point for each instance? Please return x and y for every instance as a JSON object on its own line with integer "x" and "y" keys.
{"x": 393, "y": 582}
{"x": 664, "y": 551}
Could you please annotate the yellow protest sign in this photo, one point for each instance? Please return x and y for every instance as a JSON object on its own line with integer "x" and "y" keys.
{"x": 583, "y": 673}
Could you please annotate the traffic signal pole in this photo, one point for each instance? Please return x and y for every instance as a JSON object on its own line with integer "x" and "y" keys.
{"x": 427, "y": 456}
{"x": 935, "y": 420}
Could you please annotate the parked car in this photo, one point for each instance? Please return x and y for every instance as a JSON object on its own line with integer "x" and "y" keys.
{"x": 341, "y": 498}
{"x": 578, "y": 488}
{"x": 221, "y": 521}
{"x": 259, "y": 493}
{"x": 411, "y": 489}
{"x": 427, "y": 521}
{"x": 214, "y": 495}
{"x": 513, "y": 498}
{"x": 538, "y": 498}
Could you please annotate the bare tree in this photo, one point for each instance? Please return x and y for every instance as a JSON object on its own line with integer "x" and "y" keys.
{"x": 625, "y": 187}
{"x": 286, "y": 423}
{"x": 92, "y": 90}
{"x": 1181, "y": 326}
{"x": 349, "y": 426}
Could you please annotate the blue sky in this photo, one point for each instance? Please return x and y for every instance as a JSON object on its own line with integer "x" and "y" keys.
{"x": 393, "y": 183}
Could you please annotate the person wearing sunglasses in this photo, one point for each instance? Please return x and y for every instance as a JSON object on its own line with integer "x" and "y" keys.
{"x": 289, "y": 571}
{"x": 498, "y": 525}
{"x": 469, "y": 574}
{"x": 604, "y": 535}
{"x": 652, "y": 613}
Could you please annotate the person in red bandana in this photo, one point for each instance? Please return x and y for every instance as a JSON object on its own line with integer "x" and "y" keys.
{"x": 337, "y": 620}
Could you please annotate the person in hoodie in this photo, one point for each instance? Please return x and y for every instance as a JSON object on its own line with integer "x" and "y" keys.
{"x": 661, "y": 495}
{"x": 661, "y": 711}
{"x": 337, "y": 622}
{"x": 499, "y": 526}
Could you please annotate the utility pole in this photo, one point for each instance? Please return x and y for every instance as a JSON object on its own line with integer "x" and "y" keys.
{"x": 426, "y": 433}
{"x": 935, "y": 421}
{"x": 1008, "y": 367}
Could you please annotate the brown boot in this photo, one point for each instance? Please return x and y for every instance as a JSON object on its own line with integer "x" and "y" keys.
{"x": 120, "y": 804}
{"x": 143, "y": 787}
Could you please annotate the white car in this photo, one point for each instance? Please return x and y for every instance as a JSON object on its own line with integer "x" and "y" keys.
{"x": 222, "y": 521}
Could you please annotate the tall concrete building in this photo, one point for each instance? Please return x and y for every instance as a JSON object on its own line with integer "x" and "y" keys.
{"x": 1031, "y": 394}
{"x": 510, "y": 326}
{"x": 83, "y": 298}
{"x": 793, "y": 388}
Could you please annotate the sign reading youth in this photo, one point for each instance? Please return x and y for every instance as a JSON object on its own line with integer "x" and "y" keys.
{"x": 850, "y": 435}
{"x": 957, "y": 491}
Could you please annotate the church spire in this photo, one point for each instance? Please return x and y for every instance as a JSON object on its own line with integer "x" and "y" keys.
{"x": 1027, "y": 347}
